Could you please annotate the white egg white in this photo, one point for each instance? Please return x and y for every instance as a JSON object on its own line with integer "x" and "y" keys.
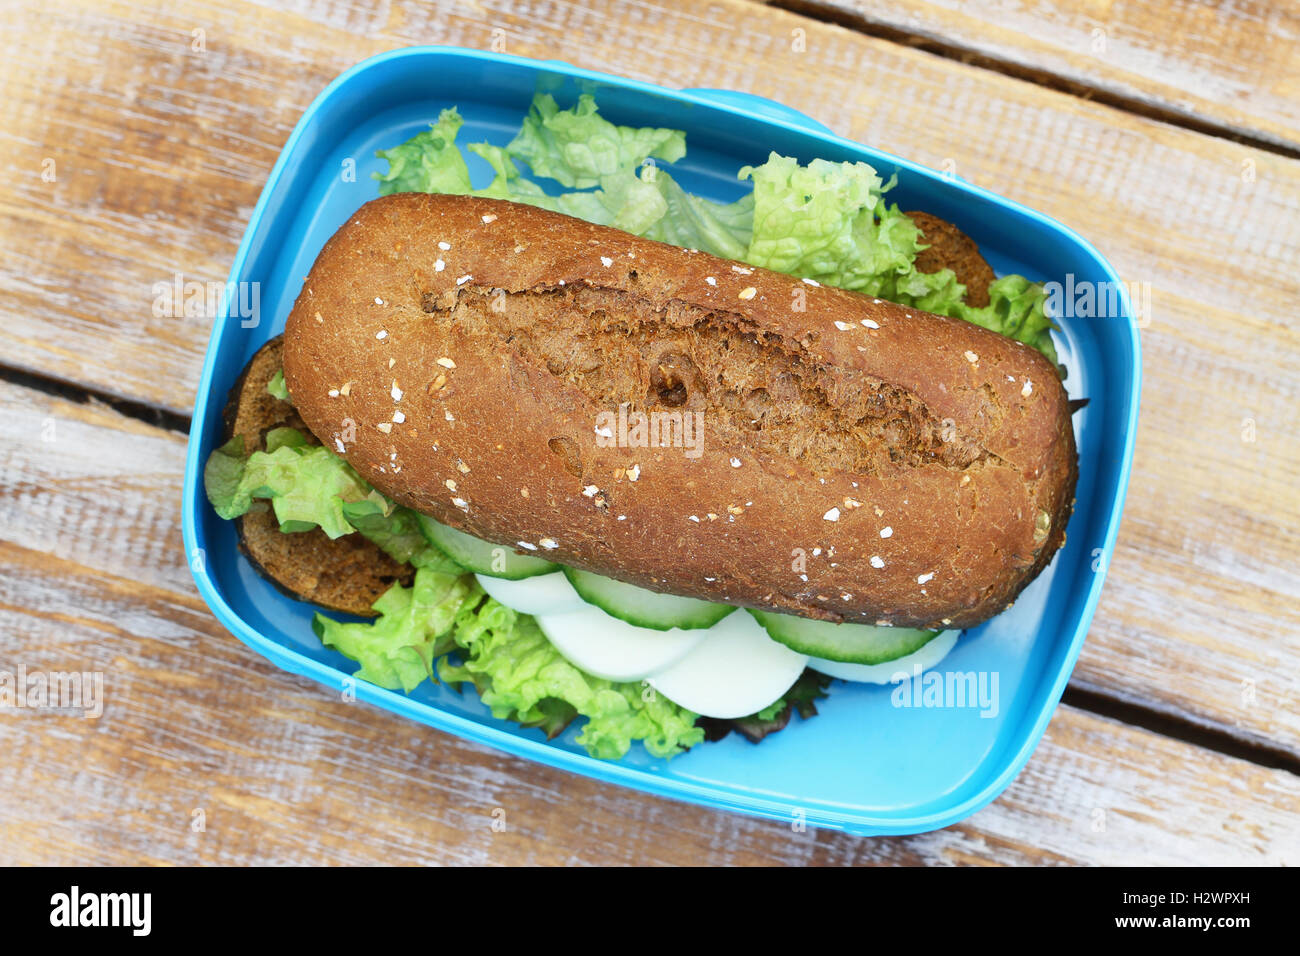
{"x": 737, "y": 670}
{"x": 544, "y": 594}
{"x": 603, "y": 645}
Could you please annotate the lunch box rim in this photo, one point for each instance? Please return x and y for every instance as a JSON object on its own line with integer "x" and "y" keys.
{"x": 742, "y": 104}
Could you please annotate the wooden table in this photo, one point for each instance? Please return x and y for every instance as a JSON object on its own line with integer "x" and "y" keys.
{"x": 137, "y": 138}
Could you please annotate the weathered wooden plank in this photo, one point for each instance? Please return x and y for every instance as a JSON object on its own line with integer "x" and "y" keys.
{"x": 283, "y": 771}
{"x": 1227, "y": 65}
{"x": 86, "y": 484}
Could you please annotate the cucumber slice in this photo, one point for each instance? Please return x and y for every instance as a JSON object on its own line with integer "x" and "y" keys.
{"x": 909, "y": 665}
{"x": 643, "y": 607}
{"x": 482, "y": 557}
{"x": 849, "y": 643}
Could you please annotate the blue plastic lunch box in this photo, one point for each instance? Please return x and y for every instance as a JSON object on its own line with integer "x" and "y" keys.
{"x": 877, "y": 759}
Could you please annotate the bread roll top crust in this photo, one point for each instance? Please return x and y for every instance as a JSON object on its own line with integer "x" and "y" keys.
{"x": 679, "y": 421}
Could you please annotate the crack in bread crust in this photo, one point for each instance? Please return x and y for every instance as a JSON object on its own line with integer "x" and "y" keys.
{"x": 753, "y": 389}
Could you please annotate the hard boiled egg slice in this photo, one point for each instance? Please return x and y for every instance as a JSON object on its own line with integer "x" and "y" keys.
{"x": 737, "y": 670}
{"x": 930, "y": 654}
{"x": 542, "y": 594}
{"x": 607, "y": 647}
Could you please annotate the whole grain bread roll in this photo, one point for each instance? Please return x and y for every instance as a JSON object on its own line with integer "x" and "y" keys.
{"x": 856, "y": 460}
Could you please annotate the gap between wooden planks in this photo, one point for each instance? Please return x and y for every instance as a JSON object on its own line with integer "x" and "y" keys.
{"x": 163, "y": 151}
{"x": 1207, "y": 64}
{"x": 93, "y": 577}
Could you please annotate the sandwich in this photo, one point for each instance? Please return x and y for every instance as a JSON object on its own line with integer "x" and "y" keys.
{"x": 636, "y": 461}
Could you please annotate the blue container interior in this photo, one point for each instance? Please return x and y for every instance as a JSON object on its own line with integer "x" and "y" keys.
{"x": 865, "y": 763}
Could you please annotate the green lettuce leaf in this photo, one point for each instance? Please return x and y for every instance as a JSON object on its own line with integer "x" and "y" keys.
{"x": 937, "y": 292}
{"x": 307, "y": 484}
{"x": 428, "y": 162}
{"x": 623, "y": 201}
{"x": 820, "y": 221}
{"x": 578, "y": 147}
{"x": 509, "y": 183}
{"x": 649, "y": 204}
{"x": 1016, "y": 309}
{"x": 284, "y": 437}
{"x": 221, "y": 479}
{"x": 413, "y": 629}
{"x": 692, "y": 222}
{"x": 277, "y": 387}
{"x": 522, "y": 677}
{"x": 771, "y": 712}
{"x": 829, "y": 222}
{"x": 395, "y": 530}
{"x": 552, "y": 716}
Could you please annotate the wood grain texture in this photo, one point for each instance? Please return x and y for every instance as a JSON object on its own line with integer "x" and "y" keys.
{"x": 162, "y": 151}
{"x": 1229, "y": 64}
{"x": 286, "y": 772}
